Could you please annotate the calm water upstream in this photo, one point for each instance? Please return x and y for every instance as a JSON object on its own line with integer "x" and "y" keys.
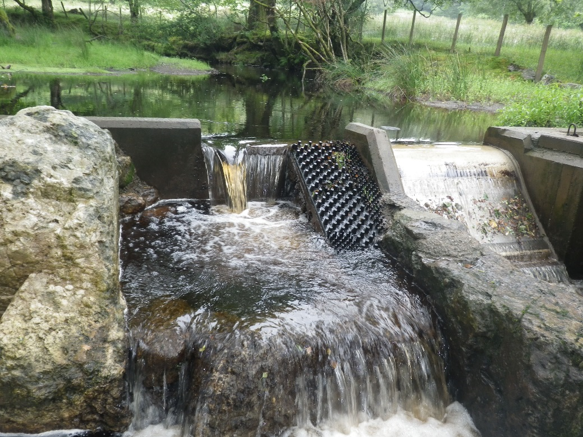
{"x": 237, "y": 102}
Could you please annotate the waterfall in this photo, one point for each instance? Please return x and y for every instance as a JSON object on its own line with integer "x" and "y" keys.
{"x": 265, "y": 172}
{"x": 226, "y": 172}
{"x": 250, "y": 324}
{"x": 245, "y": 172}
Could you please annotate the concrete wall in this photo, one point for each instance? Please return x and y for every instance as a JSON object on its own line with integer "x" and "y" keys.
{"x": 166, "y": 152}
{"x": 376, "y": 152}
{"x": 552, "y": 166}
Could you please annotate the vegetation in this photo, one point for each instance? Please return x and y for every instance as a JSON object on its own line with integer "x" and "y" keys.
{"x": 355, "y": 45}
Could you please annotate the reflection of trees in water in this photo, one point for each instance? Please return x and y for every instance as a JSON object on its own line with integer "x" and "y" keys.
{"x": 56, "y": 91}
{"x": 14, "y": 103}
{"x": 324, "y": 119}
{"x": 241, "y": 103}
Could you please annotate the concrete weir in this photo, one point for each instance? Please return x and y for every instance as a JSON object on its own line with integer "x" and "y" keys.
{"x": 166, "y": 152}
{"x": 552, "y": 165}
{"x": 515, "y": 342}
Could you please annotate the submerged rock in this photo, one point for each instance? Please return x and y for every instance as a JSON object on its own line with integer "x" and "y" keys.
{"x": 62, "y": 330}
{"x": 515, "y": 342}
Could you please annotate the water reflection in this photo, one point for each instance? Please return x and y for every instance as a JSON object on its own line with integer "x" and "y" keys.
{"x": 239, "y": 101}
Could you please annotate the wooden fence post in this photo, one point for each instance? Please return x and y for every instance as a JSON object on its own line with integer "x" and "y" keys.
{"x": 501, "y": 36}
{"x": 120, "y": 22}
{"x": 384, "y": 27}
{"x": 543, "y": 52}
{"x": 457, "y": 28}
{"x": 412, "y": 27}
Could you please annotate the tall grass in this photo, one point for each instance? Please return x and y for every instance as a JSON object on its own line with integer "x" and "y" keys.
{"x": 410, "y": 74}
{"x": 479, "y": 36}
{"x": 474, "y": 32}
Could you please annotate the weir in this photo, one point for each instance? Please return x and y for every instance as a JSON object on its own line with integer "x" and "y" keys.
{"x": 250, "y": 324}
{"x": 245, "y": 322}
{"x": 482, "y": 187}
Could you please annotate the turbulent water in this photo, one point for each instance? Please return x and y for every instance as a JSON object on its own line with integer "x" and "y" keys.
{"x": 277, "y": 334}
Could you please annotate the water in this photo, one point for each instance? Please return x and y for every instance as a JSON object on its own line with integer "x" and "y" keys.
{"x": 249, "y": 321}
{"x": 238, "y": 103}
{"x": 481, "y": 187}
{"x": 308, "y": 341}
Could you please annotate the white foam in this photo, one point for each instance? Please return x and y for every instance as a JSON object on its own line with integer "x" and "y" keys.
{"x": 456, "y": 423}
{"x": 158, "y": 430}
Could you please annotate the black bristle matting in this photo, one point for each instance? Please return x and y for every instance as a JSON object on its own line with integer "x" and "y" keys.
{"x": 342, "y": 191}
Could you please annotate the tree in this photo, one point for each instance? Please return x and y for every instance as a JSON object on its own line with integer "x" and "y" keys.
{"x": 528, "y": 10}
{"x": 5, "y": 25}
{"x": 328, "y": 24}
{"x": 134, "y": 6}
{"x": 261, "y": 15}
{"x": 46, "y": 7}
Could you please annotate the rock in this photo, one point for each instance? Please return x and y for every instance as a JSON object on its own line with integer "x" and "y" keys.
{"x": 137, "y": 196}
{"x": 62, "y": 330}
{"x": 548, "y": 79}
{"x": 515, "y": 342}
{"x": 131, "y": 204}
{"x": 528, "y": 74}
{"x": 569, "y": 85}
{"x": 514, "y": 67}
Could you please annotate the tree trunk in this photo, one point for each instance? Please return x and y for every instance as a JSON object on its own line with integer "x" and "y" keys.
{"x": 134, "y": 9}
{"x": 543, "y": 52}
{"x": 6, "y": 25}
{"x": 30, "y": 9}
{"x": 501, "y": 36}
{"x": 262, "y": 15}
{"x": 412, "y": 27}
{"x": 47, "y": 8}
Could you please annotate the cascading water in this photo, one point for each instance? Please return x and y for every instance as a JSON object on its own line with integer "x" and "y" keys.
{"x": 250, "y": 324}
{"x": 481, "y": 187}
{"x": 229, "y": 165}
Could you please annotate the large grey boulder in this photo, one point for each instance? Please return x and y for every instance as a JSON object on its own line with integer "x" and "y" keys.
{"x": 62, "y": 330}
{"x": 515, "y": 342}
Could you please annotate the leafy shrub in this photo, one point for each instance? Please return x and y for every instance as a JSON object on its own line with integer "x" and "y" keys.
{"x": 196, "y": 27}
{"x": 547, "y": 106}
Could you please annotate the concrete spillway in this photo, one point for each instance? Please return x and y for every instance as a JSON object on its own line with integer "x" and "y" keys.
{"x": 482, "y": 187}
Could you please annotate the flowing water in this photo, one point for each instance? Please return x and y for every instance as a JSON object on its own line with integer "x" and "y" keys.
{"x": 248, "y": 323}
{"x": 277, "y": 333}
{"x": 243, "y": 320}
{"x": 482, "y": 187}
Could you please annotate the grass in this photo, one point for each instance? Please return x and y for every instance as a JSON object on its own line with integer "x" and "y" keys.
{"x": 71, "y": 50}
{"x": 181, "y": 63}
{"x": 427, "y": 71}
{"x": 432, "y": 76}
{"x": 479, "y": 36}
